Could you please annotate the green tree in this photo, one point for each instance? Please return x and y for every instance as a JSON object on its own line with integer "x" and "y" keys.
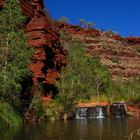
{"x": 64, "y": 19}
{"x": 82, "y": 22}
{"x": 73, "y": 76}
{"x": 8, "y": 117}
{"x": 133, "y": 86}
{"x": 84, "y": 76}
{"x": 14, "y": 51}
{"x": 67, "y": 104}
{"x": 90, "y": 24}
{"x": 36, "y": 107}
{"x": 102, "y": 77}
{"x": 14, "y": 58}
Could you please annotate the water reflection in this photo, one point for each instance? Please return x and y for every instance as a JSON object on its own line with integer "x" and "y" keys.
{"x": 9, "y": 134}
{"x": 88, "y": 129}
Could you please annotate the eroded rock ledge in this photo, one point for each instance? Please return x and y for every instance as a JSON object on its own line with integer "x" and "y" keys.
{"x": 120, "y": 55}
{"x": 49, "y": 56}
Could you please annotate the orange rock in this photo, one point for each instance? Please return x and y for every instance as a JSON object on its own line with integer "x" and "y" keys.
{"x": 49, "y": 56}
{"x": 92, "y": 104}
{"x": 46, "y": 98}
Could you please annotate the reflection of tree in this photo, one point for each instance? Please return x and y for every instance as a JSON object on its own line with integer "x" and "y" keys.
{"x": 100, "y": 128}
{"x": 9, "y": 134}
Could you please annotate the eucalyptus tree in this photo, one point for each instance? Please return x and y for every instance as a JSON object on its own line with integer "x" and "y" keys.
{"x": 133, "y": 86}
{"x": 84, "y": 76}
{"x": 14, "y": 51}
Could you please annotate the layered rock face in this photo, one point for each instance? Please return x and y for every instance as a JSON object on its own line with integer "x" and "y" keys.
{"x": 118, "y": 54}
{"x": 48, "y": 55}
{"x": 133, "y": 40}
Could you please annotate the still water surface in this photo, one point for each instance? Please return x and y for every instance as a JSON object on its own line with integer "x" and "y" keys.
{"x": 93, "y": 129}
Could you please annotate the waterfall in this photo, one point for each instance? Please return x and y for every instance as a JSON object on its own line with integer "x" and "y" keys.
{"x": 117, "y": 110}
{"x": 100, "y": 112}
{"x": 89, "y": 112}
{"x": 81, "y": 113}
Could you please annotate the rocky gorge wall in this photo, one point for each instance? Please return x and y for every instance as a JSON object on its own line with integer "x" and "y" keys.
{"x": 48, "y": 55}
{"x": 48, "y": 58}
{"x": 119, "y": 54}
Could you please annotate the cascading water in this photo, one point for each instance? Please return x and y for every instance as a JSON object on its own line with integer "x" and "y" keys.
{"x": 81, "y": 113}
{"x": 89, "y": 112}
{"x": 100, "y": 112}
{"x": 117, "y": 110}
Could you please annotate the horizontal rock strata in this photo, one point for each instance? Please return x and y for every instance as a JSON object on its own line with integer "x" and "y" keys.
{"x": 49, "y": 56}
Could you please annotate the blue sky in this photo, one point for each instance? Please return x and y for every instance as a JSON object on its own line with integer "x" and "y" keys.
{"x": 122, "y": 16}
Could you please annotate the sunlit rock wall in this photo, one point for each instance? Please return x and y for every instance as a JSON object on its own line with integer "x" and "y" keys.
{"x": 48, "y": 56}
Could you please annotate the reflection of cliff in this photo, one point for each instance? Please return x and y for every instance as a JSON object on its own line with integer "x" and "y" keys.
{"x": 49, "y": 55}
{"x": 119, "y": 54}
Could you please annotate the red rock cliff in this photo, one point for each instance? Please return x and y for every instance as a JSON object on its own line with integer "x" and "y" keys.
{"x": 49, "y": 55}
{"x": 120, "y": 55}
{"x": 1, "y": 3}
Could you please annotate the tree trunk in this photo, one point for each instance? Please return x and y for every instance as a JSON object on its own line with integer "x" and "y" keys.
{"x": 65, "y": 116}
{"x": 133, "y": 94}
{"x": 98, "y": 95}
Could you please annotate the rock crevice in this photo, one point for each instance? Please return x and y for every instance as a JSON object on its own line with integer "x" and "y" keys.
{"x": 49, "y": 56}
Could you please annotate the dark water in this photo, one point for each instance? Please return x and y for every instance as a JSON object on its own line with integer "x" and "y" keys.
{"x": 93, "y": 129}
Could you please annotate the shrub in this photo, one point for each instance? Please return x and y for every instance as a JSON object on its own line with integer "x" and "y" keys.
{"x": 115, "y": 59}
{"x": 37, "y": 106}
{"x": 52, "y": 110}
{"x": 138, "y": 49}
{"x": 8, "y": 117}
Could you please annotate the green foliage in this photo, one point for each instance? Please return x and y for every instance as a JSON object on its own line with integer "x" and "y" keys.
{"x": 86, "y": 79}
{"x": 14, "y": 58}
{"x": 40, "y": 110}
{"x": 52, "y": 110}
{"x": 116, "y": 59}
{"x": 128, "y": 91}
{"x": 62, "y": 34}
{"x": 8, "y": 117}
{"x": 133, "y": 90}
{"x": 85, "y": 24}
{"x": 102, "y": 77}
{"x": 11, "y": 17}
{"x": 84, "y": 76}
{"x": 110, "y": 33}
{"x": 64, "y": 19}
{"x": 67, "y": 101}
{"x": 137, "y": 49}
{"x": 14, "y": 52}
{"x": 116, "y": 91}
{"x": 90, "y": 25}
{"x": 82, "y": 22}
{"x": 37, "y": 106}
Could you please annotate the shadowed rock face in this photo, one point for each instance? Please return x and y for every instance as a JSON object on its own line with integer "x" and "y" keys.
{"x": 133, "y": 40}
{"x": 49, "y": 56}
{"x": 1, "y": 3}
